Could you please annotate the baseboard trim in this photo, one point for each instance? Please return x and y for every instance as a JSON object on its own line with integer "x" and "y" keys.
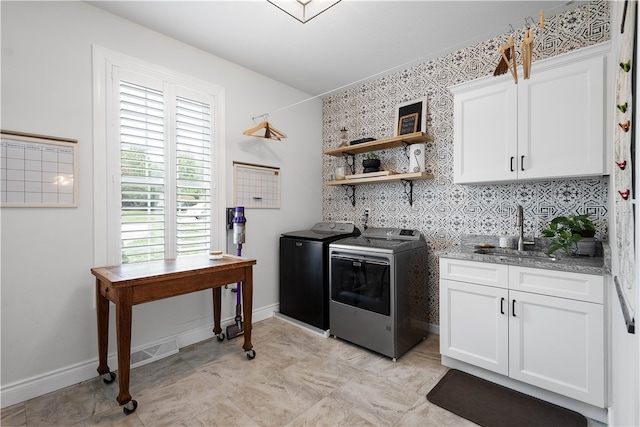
{"x": 39, "y": 385}
{"x": 434, "y": 329}
{"x": 302, "y": 325}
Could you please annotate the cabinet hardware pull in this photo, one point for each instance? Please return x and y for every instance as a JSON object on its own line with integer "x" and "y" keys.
{"x": 513, "y": 308}
{"x": 502, "y": 305}
{"x": 511, "y": 164}
{"x": 522, "y": 163}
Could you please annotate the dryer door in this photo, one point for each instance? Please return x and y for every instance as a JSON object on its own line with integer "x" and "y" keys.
{"x": 362, "y": 282}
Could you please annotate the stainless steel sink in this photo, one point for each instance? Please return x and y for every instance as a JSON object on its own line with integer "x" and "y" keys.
{"x": 540, "y": 256}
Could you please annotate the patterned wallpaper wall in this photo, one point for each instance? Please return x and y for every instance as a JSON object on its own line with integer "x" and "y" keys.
{"x": 441, "y": 210}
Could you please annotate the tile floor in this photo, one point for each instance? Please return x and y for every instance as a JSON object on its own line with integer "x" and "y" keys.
{"x": 296, "y": 379}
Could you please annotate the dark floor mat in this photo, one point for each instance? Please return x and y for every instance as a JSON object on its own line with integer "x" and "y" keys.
{"x": 492, "y": 405}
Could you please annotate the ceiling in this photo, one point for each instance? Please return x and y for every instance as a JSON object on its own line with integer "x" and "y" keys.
{"x": 351, "y": 42}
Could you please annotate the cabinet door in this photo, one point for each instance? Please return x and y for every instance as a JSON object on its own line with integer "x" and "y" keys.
{"x": 474, "y": 324}
{"x": 561, "y": 121}
{"x": 485, "y": 133}
{"x": 557, "y": 344}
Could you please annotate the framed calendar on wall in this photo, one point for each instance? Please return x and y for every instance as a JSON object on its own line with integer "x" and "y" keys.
{"x": 38, "y": 171}
{"x": 256, "y": 186}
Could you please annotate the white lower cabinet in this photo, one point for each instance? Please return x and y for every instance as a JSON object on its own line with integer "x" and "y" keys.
{"x": 544, "y": 339}
{"x": 471, "y": 327}
{"x": 557, "y": 344}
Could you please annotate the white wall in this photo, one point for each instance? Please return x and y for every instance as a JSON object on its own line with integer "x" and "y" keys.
{"x": 47, "y": 301}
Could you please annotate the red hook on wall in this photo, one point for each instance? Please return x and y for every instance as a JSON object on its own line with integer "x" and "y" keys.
{"x": 624, "y": 194}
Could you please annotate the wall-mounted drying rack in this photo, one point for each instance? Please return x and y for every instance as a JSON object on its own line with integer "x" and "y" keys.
{"x": 406, "y": 179}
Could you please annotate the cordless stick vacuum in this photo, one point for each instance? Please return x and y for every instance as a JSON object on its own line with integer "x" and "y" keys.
{"x": 239, "y": 221}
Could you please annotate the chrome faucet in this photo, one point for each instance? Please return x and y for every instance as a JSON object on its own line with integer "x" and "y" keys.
{"x": 520, "y": 224}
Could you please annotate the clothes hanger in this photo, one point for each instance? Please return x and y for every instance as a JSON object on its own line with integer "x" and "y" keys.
{"x": 502, "y": 65}
{"x": 510, "y": 59}
{"x": 269, "y": 131}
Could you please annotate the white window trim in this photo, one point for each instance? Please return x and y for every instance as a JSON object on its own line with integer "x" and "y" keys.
{"x": 103, "y": 60}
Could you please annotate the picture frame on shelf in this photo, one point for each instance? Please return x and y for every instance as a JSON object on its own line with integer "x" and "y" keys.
{"x": 408, "y": 124}
{"x": 411, "y": 116}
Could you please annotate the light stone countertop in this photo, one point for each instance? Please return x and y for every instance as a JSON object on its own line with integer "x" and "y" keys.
{"x": 533, "y": 257}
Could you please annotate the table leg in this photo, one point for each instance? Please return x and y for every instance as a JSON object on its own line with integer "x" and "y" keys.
{"x": 217, "y": 305}
{"x": 102, "y": 311}
{"x": 247, "y": 302}
{"x": 123, "y": 331}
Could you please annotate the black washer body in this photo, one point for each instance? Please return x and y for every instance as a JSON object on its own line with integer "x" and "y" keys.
{"x": 304, "y": 272}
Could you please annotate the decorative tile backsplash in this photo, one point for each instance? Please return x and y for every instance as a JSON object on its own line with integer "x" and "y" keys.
{"x": 441, "y": 210}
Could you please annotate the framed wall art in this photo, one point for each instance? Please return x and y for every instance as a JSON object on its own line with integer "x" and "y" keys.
{"x": 411, "y": 116}
{"x": 38, "y": 171}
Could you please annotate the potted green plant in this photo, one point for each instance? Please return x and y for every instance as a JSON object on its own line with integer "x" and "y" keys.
{"x": 566, "y": 231}
{"x": 371, "y": 162}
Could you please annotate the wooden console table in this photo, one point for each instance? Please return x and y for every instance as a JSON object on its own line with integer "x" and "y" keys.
{"x": 130, "y": 284}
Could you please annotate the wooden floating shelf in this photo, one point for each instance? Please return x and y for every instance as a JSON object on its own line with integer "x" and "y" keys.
{"x": 369, "y": 175}
{"x": 385, "y": 178}
{"x": 381, "y": 144}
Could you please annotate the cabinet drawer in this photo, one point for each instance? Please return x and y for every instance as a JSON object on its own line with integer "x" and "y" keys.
{"x": 577, "y": 286}
{"x": 474, "y": 272}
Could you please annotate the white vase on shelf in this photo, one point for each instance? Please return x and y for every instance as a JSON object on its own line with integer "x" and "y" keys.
{"x": 416, "y": 158}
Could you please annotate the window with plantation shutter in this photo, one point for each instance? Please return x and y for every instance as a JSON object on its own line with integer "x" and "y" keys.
{"x": 158, "y": 145}
{"x": 163, "y": 187}
{"x": 193, "y": 180}
{"x": 142, "y": 178}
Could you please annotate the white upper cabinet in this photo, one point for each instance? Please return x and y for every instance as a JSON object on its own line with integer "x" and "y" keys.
{"x": 485, "y": 132}
{"x": 561, "y": 121}
{"x": 549, "y": 126}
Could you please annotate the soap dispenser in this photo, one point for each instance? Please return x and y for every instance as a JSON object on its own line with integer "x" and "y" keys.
{"x": 504, "y": 240}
